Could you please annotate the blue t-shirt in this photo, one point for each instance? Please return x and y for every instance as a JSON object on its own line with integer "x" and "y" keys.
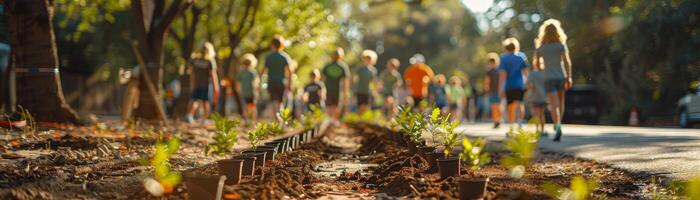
{"x": 276, "y": 63}
{"x": 513, "y": 64}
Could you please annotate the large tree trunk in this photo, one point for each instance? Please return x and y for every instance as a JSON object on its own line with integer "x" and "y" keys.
{"x": 153, "y": 20}
{"x": 35, "y": 59}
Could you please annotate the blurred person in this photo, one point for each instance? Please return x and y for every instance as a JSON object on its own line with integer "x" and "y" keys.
{"x": 552, "y": 52}
{"x": 336, "y": 78}
{"x": 203, "y": 68}
{"x": 417, "y": 77}
{"x": 537, "y": 96}
{"x": 364, "y": 77}
{"x": 438, "y": 93}
{"x": 391, "y": 83}
{"x": 513, "y": 66}
{"x": 278, "y": 71}
{"x": 456, "y": 94}
{"x": 491, "y": 84}
{"x": 314, "y": 92}
{"x": 248, "y": 86}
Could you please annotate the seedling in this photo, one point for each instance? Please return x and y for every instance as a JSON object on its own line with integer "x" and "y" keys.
{"x": 274, "y": 128}
{"x": 473, "y": 153}
{"x": 450, "y": 138}
{"x": 259, "y": 133}
{"x": 522, "y": 145}
{"x": 580, "y": 189}
{"x": 161, "y": 165}
{"x": 351, "y": 118}
{"x": 412, "y": 123}
{"x": 286, "y": 118}
{"x": 690, "y": 189}
{"x": 312, "y": 118}
{"x": 436, "y": 124}
{"x": 226, "y": 135}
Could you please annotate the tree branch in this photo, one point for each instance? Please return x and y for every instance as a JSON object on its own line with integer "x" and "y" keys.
{"x": 175, "y": 8}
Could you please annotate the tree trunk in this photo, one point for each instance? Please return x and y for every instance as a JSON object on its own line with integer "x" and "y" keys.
{"x": 35, "y": 59}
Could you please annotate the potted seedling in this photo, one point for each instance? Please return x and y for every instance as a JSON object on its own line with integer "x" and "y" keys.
{"x": 435, "y": 125}
{"x": 579, "y": 189}
{"x": 255, "y": 136}
{"x": 224, "y": 139}
{"x": 522, "y": 145}
{"x": 449, "y": 165}
{"x": 413, "y": 127}
{"x": 164, "y": 179}
{"x": 473, "y": 155}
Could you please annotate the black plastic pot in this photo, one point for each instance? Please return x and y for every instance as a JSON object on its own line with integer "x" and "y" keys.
{"x": 270, "y": 151}
{"x": 286, "y": 144}
{"x": 204, "y": 187}
{"x": 278, "y": 145}
{"x": 248, "y": 164}
{"x": 472, "y": 188}
{"x": 424, "y": 150}
{"x": 232, "y": 169}
{"x": 412, "y": 149}
{"x": 432, "y": 157}
{"x": 259, "y": 157}
{"x": 448, "y": 167}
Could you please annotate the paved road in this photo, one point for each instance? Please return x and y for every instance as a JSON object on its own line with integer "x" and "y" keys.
{"x": 670, "y": 152}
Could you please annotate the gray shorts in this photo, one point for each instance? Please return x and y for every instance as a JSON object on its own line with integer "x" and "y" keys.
{"x": 554, "y": 85}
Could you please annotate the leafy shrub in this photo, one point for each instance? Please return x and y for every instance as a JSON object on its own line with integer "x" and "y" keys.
{"x": 473, "y": 153}
{"x": 225, "y": 135}
{"x": 522, "y": 145}
{"x": 580, "y": 189}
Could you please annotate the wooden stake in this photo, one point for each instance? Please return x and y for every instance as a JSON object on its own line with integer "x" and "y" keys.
{"x": 149, "y": 84}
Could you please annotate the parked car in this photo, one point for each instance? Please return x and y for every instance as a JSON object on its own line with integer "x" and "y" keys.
{"x": 689, "y": 108}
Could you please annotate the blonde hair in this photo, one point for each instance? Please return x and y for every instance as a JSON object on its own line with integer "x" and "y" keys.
{"x": 456, "y": 80}
{"x": 371, "y": 55}
{"x": 493, "y": 56}
{"x": 338, "y": 54}
{"x": 249, "y": 60}
{"x": 440, "y": 79}
{"x": 511, "y": 44}
{"x": 394, "y": 62}
{"x": 206, "y": 52}
{"x": 550, "y": 32}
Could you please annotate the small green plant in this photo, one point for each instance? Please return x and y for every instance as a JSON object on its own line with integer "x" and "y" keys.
{"x": 690, "y": 189}
{"x": 225, "y": 135}
{"x": 286, "y": 117}
{"x": 412, "y": 124}
{"x": 259, "y": 133}
{"x": 473, "y": 153}
{"x": 450, "y": 138}
{"x": 522, "y": 145}
{"x": 437, "y": 124}
{"x": 579, "y": 189}
{"x": 274, "y": 128}
{"x": 160, "y": 162}
{"x": 312, "y": 118}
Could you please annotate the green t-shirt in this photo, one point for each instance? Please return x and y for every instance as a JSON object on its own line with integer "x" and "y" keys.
{"x": 364, "y": 76}
{"x": 335, "y": 72}
{"x": 246, "y": 79}
{"x": 390, "y": 79}
{"x": 456, "y": 93}
{"x": 276, "y": 62}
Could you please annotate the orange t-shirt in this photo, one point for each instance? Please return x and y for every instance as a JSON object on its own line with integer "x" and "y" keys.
{"x": 417, "y": 76}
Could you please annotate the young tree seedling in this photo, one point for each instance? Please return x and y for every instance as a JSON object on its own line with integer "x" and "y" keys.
{"x": 473, "y": 153}
{"x": 286, "y": 118}
{"x": 522, "y": 145}
{"x": 162, "y": 173}
{"x": 579, "y": 189}
{"x": 225, "y": 135}
{"x": 259, "y": 133}
{"x": 450, "y": 138}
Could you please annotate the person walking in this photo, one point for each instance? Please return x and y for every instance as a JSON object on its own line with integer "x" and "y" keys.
{"x": 512, "y": 84}
{"x": 537, "y": 97}
{"x": 336, "y": 77}
{"x": 417, "y": 77}
{"x": 438, "y": 93}
{"x": 456, "y": 94}
{"x": 248, "y": 86}
{"x": 314, "y": 92}
{"x": 364, "y": 77}
{"x": 552, "y": 49}
{"x": 203, "y": 68}
{"x": 391, "y": 82}
{"x": 278, "y": 71}
{"x": 491, "y": 84}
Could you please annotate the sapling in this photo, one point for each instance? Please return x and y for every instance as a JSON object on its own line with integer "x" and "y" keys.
{"x": 436, "y": 124}
{"x": 522, "y": 145}
{"x": 285, "y": 116}
{"x": 579, "y": 189}
{"x": 225, "y": 135}
{"x": 473, "y": 153}
{"x": 450, "y": 138}
{"x": 274, "y": 128}
{"x": 165, "y": 177}
{"x": 259, "y": 133}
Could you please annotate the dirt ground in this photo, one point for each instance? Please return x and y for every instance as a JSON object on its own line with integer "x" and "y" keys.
{"x": 349, "y": 162}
